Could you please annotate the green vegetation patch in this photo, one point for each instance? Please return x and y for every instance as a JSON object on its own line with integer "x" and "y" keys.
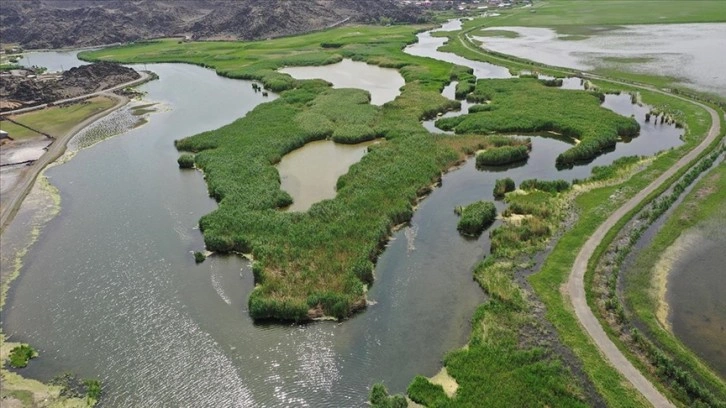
{"x": 495, "y": 33}
{"x": 55, "y": 121}
{"x": 379, "y": 398}
{"x": 20, "y": 355}
{"x": 503, "y": 186}
{"x": 318, "y": 262}
{"x": 551, "y": 186}
{"x": 500, "y": 156}
{"x": 430, "y": 395}
{"x": 186, "y": 161}
{"x": 314, "y": 263}
{"x": 526, "y": 105}
{"x": 476, "y": 217}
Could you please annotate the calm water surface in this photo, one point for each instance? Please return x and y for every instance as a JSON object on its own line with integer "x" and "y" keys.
{"x": 691, "y": 53}
{"x": 309, "y": 174}
{"x": 110, "y": 290}
{"x": 696, "y": 288}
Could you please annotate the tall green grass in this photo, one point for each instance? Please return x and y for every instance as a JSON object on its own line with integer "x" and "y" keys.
{"x": 526, "y": 105}
{"x": 476, "y": 217}
{"x": 315, "y": 263}
{"x": 506, "y": 362}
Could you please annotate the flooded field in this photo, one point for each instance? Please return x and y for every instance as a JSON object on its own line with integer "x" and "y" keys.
{"x": 688, "y": 52}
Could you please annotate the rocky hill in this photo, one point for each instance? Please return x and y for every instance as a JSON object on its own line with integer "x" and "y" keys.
{"x": 74, "y": 23}
{"x": 23, "y": 88}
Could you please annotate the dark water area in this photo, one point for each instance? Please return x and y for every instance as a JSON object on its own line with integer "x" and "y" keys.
{"x": 696, "y": 288}
{"x": 111, "y": 290}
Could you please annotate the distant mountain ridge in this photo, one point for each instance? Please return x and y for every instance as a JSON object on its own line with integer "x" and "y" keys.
{"x": 77, "y": 23}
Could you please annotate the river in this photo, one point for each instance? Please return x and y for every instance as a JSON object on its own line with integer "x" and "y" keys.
{"x": 110, "y": 289}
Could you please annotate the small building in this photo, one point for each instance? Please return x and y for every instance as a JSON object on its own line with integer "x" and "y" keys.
{"x": 5, "y": 135}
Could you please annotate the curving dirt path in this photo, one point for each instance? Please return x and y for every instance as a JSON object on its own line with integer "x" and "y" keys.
{"x": 575, "y": 287}
{"x": 576, "y": 281}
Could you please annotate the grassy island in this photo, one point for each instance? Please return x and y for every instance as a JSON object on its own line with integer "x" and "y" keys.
{"x": 527, "y": 105}
{"x": 476, "y": 217}
{"x": 316, "y": 263}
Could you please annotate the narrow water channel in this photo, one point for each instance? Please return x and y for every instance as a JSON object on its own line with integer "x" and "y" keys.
{"x": 111, "y": 291}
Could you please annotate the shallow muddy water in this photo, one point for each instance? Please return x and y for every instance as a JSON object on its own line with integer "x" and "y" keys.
{"x": 110, "y": 290}
{"x": 309, "y": 174}
{"x": 691, "y": 53}
{"x": 382, "y": 83}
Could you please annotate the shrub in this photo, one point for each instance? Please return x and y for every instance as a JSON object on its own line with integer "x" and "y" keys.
{"x": 186, "y": 161}
{"x": 551, "y": 82}
{"x": 477, "y": 217}
{"x": 199, "y": 257}
{"x": 379, "y": 398}
{"x": 503, "y": 186}
{"x": 422, "y": 391}
{"x": 93, "y": 389}
{"x": 502, "y": 155}
{"x": 20, "y": 355}
{"x": 554, "y": 186}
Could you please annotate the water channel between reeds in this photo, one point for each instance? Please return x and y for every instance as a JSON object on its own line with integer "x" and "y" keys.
{"x": 111, "y": 291}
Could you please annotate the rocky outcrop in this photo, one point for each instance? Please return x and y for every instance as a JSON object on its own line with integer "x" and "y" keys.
{"x": 74, "y": 23}
{"x": 27, "y": 89}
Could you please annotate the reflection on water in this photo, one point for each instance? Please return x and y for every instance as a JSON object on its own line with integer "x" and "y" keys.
{"x": 383, "y": 83}
{"x": 688, "y": 52}
{"x": 309, "y": 174}
{"x": 696, "y": 288}
{"x": 111, "y": 290}
{"x": 427, "y": 46}
{"x": 55, "y": 61}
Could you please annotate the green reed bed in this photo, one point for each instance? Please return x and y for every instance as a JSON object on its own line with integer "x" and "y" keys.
{"x": 507, "y": 361}
{"x": 476, "y": 217}
{"x": 500, "y": 156}
{"x": 526, "y": 105}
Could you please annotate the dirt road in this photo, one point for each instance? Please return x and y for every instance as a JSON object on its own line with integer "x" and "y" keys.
{"x": 14, "y": 198}
{"x": 576, "y": 282}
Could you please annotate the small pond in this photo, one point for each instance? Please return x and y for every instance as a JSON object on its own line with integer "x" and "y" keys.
{"x": 383, "y": 83}
{"x": 309, "y": 174}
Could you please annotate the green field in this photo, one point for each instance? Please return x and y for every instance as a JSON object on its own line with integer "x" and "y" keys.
{"x": 57, "y": 120}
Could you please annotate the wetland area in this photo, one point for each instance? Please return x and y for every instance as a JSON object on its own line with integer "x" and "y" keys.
{"x": 110, "y": 284}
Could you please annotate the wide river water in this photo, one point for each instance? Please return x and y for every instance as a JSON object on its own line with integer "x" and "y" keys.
{"x": 110, "y": 289}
